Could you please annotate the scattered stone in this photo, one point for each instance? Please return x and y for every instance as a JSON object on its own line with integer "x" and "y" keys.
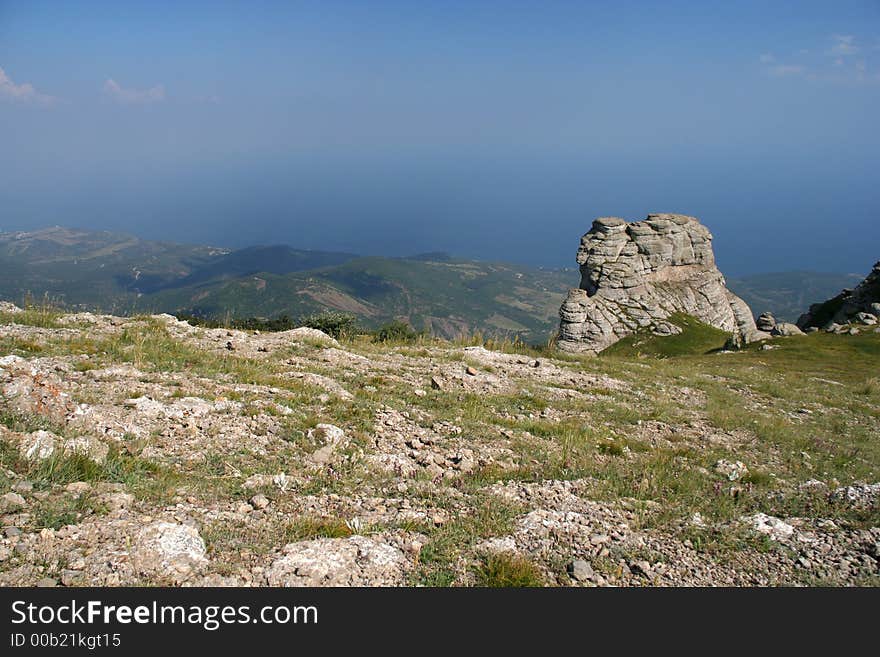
{"x": 259, "y": 501}
{"x": 307, "y": 334}
{"x": 580, "y": 571}
{"x": 420, "y": 451}
{"x": 116, "y": 501}
{"x": 12, "y": 502}
{"x": 243, "y": 507}
{"x": 168, "y": 549}
{"x": 329, "y": 434}
{"x": 38, "y": 445}
{"x": 642, "y": 568}
{"x": 786, "y": 329}
{"x": 326, "y": 383}
{"x": 333, "y": 438}
{"x": 858, "y": 495}
{"x": 436, "y": 383}
{"x": 771, "y": 526}
{"x": 71, "y": 577}
{"x": 87, "y": 446}
{"x": 470, "y": 371}
{"x": 733, "y": 470}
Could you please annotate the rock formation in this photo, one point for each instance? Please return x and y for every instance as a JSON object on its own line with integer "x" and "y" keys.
{"x": 767, "y": 324}
{"x": 860, "y": 305}
{"x": 635, "y": 275}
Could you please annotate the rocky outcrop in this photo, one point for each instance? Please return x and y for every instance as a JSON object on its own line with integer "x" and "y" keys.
{"x": 767, "y": 324}
{"x": 634, "y": 276}
{"x": 858, "y": 306}
{"x": 352, "y": 561}
{"x": 169, "y": 550}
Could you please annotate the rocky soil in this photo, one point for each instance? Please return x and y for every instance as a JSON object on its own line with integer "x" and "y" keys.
{"x": 140, "y": 451}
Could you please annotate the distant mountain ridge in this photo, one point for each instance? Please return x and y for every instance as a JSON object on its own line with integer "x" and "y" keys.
{"x": 112, "y": 272}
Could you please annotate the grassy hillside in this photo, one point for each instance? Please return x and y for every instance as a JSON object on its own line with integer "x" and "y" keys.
{"x": 446, "y": 298}
{"x": 467, "y": 466}
{"x": 80, "y": 269}
{"x": 83, "y": 270}
{"x": 695, "y": 339}
{"x": 434, "y": 292}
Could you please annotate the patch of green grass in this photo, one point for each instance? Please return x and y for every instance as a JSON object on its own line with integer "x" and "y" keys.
{"x": 439, "y": 556}
{"x": 610, "y": 448}
{"x": 726, "y": 542}
{"x": 141, "y": 477}
{"x": 696, "y": 338}
{"x": 310, "y": 527}
{"x": 59, "y": 512}
{"x": 506, "y": 570}
{"x": 9, "y": 345}
{"x": 24, "y": 423}
{"x": 757, "y": 478}
{"x": 41, "y": 316}
{"x": 871, "y": 388}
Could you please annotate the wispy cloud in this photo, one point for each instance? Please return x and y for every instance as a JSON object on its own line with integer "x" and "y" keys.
{"x": 120, "y": 94}
{"x": 774, "y": 67}
{"x": 22, "y": 93}
{"x": 836, "y": 60}
{"x": 786, "y": 70}
{"x": 843, "y": 45}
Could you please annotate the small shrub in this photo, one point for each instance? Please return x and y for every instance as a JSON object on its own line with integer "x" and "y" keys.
{"x": 396, "y": 331}
{"x": 610, "y": 448}
{"x": 308, "y": 528}
{"x": 334, "y": 324}
{"x": 506, "y": 570}
{"x": 871, "y": 387}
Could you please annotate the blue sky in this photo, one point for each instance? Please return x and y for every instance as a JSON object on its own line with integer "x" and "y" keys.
{"x": 495, "y": 130}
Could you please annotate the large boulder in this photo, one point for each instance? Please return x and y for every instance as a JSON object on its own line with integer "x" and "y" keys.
{"x": 766, "y": 322}
{"x": 636, "y": 275}
{"x": 860, "y": 305}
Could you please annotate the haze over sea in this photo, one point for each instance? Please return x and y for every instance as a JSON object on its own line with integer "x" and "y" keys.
{"x": 493, "y": 130}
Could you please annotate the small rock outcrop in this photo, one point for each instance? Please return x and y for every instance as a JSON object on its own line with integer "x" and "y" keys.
{"x": 857, "y": 306}
{"x": 352, "y": 561}
{"x": 635, "y": 275}
{"x": 170, "y": 550}
{"x": 766, "y": 322}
